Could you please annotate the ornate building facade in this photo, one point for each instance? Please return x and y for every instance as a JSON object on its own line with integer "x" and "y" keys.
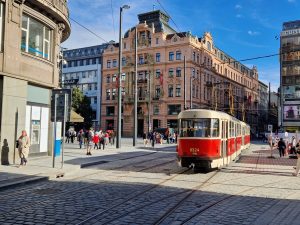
{"x": 31, "y": 32}
{"x": 209, "y": 78}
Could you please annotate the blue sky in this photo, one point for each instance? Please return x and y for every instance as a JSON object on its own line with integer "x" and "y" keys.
{"x": 241, "y": 28}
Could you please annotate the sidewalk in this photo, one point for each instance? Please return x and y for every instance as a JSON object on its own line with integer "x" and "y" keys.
{"x": 40, "y": 168}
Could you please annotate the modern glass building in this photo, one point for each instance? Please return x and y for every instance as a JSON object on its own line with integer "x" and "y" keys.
{"x": 83, "y": 70}
{"x": 290, "y": 76}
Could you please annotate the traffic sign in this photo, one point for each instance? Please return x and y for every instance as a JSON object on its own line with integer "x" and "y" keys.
{"x": 60, "y": 104}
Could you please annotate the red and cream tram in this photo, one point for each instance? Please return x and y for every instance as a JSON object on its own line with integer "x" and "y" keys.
{"x": 210, "y": 139}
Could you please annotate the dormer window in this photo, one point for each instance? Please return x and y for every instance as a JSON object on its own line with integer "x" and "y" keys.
{"x": 208, "y": 46}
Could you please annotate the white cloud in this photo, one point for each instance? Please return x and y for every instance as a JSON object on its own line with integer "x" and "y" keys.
{"x": 238, "y": 16}
{"x": 291, "y": 1}
{"x": 253, "y": 33}
{"x": 237, "y": 6}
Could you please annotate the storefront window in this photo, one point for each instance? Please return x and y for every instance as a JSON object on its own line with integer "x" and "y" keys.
{"x": 36, "y": 38}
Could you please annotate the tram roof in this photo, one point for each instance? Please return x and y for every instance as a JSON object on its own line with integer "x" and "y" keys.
{"x": 206, "y": 113}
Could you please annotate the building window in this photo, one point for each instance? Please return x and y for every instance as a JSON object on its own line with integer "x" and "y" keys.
{"x": 114, "y": 78}
{"x": 123, "y": 91}
{"x": 110, "y": 110}
{"x": 174, "y": 109}
{"x": 198, "y": 58}
{"x": 170, "y": 90}
{"x": 157, "y": 41}
{"x": 114, "y": 93}
{"x": 123, "y": 76}
{"x": 95, "y": 85}
{"x": 114, "y": 63}
{"x": 171, "y": 56}
{"x": 178, "y": 90}
{"x": 1, "y": 25}
{"x": 156, "y": 109}
{"x": 178, "y": 55}
{"x": 157, "y": 91}
{"x": 94, "y": 61}
{"x": 124, "y": 45}
{"x": 95, "y": 100}
{"x": 193, "y": 72}
{"x": 194, "y": 56}
{"x": 89, "y": 87}
{"x": 123, "y": 61}
{"x": 171, "y": 72}
{"x": 178, "y": 72}
{"x": 208, "y": 46}
{"x": 141, "y": 59}
{"x": 157, "y": 74}
{"x": 157, "y": 57}
{"x": 108, "y": 79}
{"x": 107, "y": 94}
{"x": 36, "y": 38}
{"x": 108, "y": 65}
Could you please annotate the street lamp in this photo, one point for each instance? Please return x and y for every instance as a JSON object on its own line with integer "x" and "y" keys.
{"x": 119, "y": 120}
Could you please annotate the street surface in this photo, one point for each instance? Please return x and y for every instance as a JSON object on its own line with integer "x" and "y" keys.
{"x": 145, "y": 186}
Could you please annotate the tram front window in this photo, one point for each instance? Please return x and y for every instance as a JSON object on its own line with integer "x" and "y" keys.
{"x": 199, "y": 128}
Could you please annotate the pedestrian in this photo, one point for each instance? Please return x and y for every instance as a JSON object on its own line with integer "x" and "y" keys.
{"x": 297, "y": 168}
{"x": 106, "y": 138}
{"x": 80, "y": 138}
{"x": 68, "y": 136}
{"x": 89, "y": 142}
{"x": 167, "y": 135}
{"x": 153, "y": 137}
{"x": 113, "y": 135}
{"x": 281, "y": 147}
{"x": 145, "y": 139}
{"x": 293, "y": 144}
{"x": 96, "y": 140}
{"x": 23, "y": 147}
{"x": 101, "y": 141}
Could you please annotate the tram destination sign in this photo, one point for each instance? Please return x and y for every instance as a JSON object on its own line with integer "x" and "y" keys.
{"x": 60, "y": 104}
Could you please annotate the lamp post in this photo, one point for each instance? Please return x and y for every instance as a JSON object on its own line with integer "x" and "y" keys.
{"x": 119, "y": 120}
{"x": 135, "y": 91}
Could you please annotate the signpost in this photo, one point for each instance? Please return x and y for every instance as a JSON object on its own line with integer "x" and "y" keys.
{"x": 60, "y": 112}
{"x": 270, "y": 139}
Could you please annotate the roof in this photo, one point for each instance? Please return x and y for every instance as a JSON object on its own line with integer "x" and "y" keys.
{"x": 76, "y": 118}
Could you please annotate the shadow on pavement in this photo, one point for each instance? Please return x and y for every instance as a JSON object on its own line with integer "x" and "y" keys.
{"x": 117, "y": 202}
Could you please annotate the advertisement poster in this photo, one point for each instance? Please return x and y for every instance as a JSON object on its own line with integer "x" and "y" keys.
{"x": 291, "y": 92}
{"x": 291, "y": 112}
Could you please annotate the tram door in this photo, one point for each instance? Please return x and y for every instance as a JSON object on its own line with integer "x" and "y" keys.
{"x": 224, "y": 139}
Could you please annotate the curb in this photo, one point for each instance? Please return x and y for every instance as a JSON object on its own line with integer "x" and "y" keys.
{"x": 23, "y": 182}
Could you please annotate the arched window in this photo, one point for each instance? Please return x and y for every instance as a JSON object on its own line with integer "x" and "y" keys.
{"x": 209, "y": 46}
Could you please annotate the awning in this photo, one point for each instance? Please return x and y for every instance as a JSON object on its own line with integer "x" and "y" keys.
{"x": 76, "y": 118}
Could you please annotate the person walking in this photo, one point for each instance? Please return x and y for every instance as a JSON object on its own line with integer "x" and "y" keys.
{"x": 113, "y": 135}
{"x": 106, "y": 138}
{"x": 293, "y": 144}
{"x": 145, "y": 139}
{"x": 281, "y": 147}
{"x": 23, "y": 147}
{"x": 68, "y": 133}
{"x": 297, "y": 167}
{"x": 96, "y": 140}
{"x": 89, "y": 142}
{"x": 152, "y": 138}
{"x": 101, "y": 141}
{"x": 80, "y": 138}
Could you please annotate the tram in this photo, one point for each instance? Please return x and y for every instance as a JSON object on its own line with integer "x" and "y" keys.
{"x": 210, "y": 139}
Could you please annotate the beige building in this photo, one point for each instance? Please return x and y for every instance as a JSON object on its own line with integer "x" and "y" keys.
{"x": 30, "y": 35}
{"x": 212, "y": 78}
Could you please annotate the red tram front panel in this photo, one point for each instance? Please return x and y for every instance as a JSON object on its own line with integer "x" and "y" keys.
{"x": 199, "y": 148}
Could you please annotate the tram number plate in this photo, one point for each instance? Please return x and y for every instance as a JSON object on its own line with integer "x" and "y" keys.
{"x": 194, "y": 151}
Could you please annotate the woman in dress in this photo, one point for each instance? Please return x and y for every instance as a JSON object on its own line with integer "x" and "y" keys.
{"x": 24, "y": 144}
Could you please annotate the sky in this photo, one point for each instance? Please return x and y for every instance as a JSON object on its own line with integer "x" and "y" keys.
{"x": 242, "y": 28}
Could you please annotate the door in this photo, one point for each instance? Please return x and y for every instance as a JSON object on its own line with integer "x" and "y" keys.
{"x": 224, "y": 137}
{"x": 140, "y": 127}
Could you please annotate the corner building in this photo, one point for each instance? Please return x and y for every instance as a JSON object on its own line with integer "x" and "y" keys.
{"x": 290, "y": 76}
{"x": 212, "y": 78}
{"x": 30, "y": 35}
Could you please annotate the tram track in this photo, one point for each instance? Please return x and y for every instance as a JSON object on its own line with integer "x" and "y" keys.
{"x": 75, "y": 191}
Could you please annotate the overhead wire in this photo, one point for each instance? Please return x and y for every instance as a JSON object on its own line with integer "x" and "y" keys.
{"x": 168, "y": 14}
{"x": 89, "y": 30}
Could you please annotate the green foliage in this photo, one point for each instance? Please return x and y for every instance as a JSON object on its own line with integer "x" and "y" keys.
{"x": 82, "y": 105}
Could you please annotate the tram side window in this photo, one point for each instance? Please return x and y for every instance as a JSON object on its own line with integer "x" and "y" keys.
{"x": 231, "y": 129}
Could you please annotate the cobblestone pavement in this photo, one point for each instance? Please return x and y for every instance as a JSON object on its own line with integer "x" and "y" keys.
{"x": 152, "y": 189}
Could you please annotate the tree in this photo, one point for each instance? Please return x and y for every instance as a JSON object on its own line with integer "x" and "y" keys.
{"x": 81, "y": 104}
